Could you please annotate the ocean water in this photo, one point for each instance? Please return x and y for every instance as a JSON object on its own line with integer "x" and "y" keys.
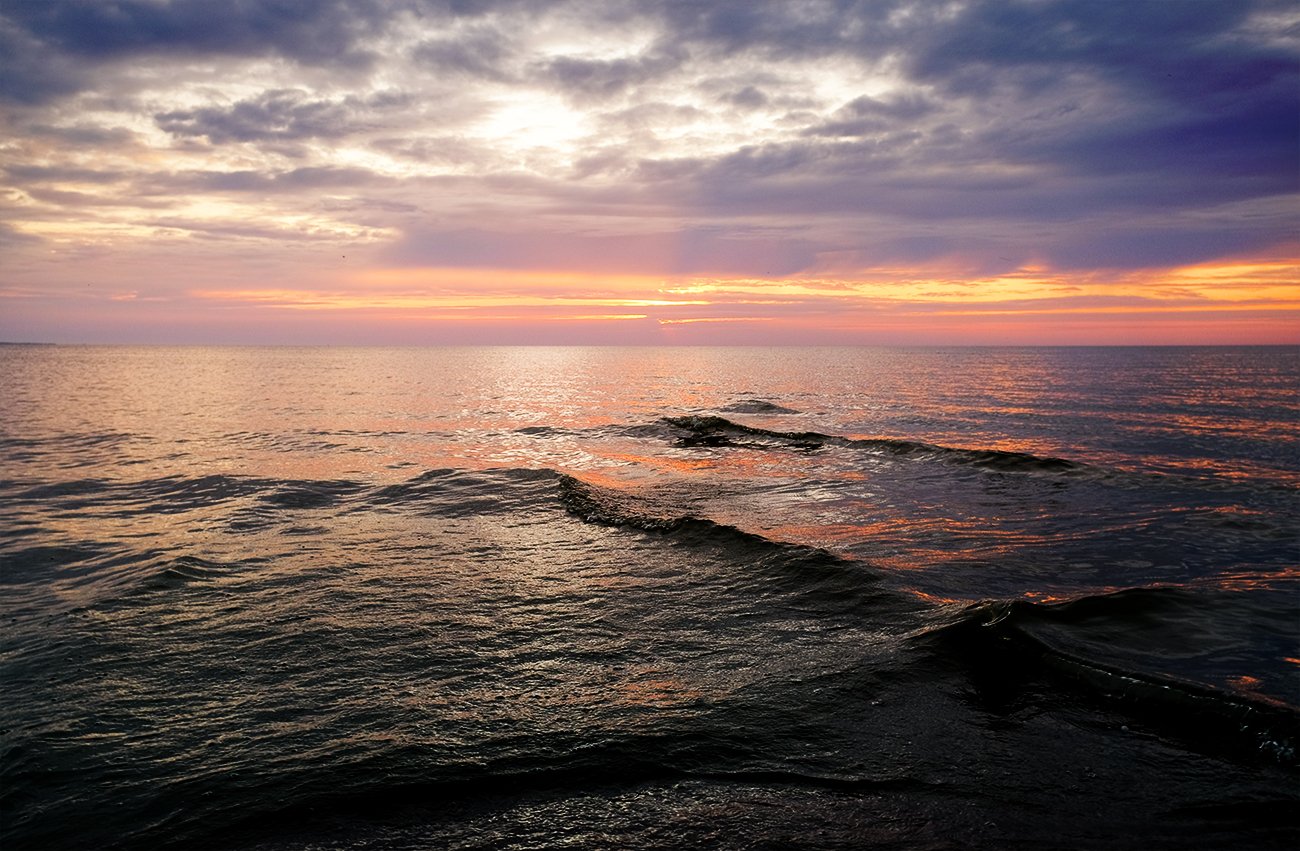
{"x": 320, "y": 598}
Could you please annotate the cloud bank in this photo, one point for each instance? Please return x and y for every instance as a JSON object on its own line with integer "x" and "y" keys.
{"x": 833, "y": 141}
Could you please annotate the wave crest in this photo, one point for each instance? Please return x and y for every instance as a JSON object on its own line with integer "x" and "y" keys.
{"x": 719, "y": 431}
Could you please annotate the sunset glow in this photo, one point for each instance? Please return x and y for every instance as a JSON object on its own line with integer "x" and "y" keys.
{"x": 650, "y": 173}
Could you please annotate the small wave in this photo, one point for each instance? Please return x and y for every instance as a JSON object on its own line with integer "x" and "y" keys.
{"x": 756, "y": 406}
{"x": 59, "y": 491}
{"x": 609, "y": 507}
{"x": 457, "y": 493}
{"x": 543, "y": 431}
{"x": 719, "y": 431}
{"x": 310, "y": 494}
{"x": 176, "y": 494}
{"x": 801, "y": 571}
{"x": 108, "y": 438}
{"x": 187, "y": 569}
{"x": 74, "y": 440}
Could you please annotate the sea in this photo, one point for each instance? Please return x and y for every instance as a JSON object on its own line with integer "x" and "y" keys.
{"x": 649, "y": 598}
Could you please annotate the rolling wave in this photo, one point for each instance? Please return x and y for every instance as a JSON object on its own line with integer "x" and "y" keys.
{"x": 719, "y": 431}
{"x": 1006, "y": 641}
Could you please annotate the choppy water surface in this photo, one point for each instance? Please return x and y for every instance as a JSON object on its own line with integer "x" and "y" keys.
{"x": 649, "y": 598}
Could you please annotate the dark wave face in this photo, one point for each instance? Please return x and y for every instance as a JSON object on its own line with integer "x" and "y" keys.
{"x": 494, "y": 598}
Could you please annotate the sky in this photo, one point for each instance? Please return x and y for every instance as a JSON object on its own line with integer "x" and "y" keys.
{"x": 887, "y": 172}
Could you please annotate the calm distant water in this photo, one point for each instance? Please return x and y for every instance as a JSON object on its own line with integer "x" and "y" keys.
{"x": 297, "y": 598}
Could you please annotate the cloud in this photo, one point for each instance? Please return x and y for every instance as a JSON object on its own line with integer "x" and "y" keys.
{"x": 1152, "y": 246}
{"x": 478, "y": 51}
{"x": 782, "y": 30}
{"x": 317, "y": 31}
{"x": 72, "y": 200}
{"x": 585, "y": 79}
{"x": 1249, "y": 149}
{"x": 13, "y": 238}
{"x": 86, "y": 135}
{"x": 692, "y": 250}
{"x": 1138, "y": 45}
{"x": 31, "y": 74}
{"x": 41, "y": 174}
{"x": 294, "y": 180}
{"x": 437, "y": 150}
{"x": 867, "y": 115}
{"x": 279, "y": 114}
{"x": 739, "y": 137}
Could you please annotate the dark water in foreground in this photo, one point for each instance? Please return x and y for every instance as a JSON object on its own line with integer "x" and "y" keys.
{"x": 649, "y": 598}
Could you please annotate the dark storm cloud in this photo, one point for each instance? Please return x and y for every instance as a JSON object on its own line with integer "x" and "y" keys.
{"x": 282, "y": 114}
